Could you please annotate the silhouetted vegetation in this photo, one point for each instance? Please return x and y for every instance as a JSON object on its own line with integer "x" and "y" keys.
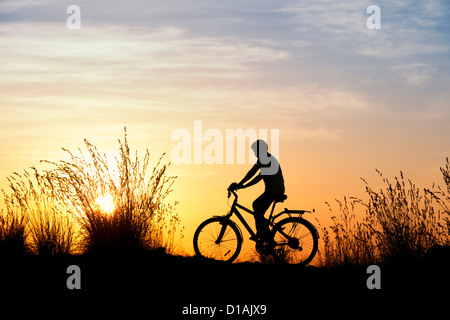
{"x": 12, "y": 233}
{"x": 46, "y": 219}
{"x": 55, "y": 212}
{"x": 398, "y": 223}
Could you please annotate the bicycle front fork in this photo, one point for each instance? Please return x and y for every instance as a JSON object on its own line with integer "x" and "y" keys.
{"x": 222, "y": 231}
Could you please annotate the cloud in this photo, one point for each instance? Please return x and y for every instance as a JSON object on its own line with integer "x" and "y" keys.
{"x": 332, "y": 68}
{"x": 9, "y": 6}
{"x": 334, "y": 17}
{"x": 97, "y": 53}
{"x": 415, "y": 73}
{"x": 105, "y": 74}
{"x": 408, "y": 28}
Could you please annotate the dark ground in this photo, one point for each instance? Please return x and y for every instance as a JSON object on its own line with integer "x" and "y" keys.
{"x": 158, "y": 286}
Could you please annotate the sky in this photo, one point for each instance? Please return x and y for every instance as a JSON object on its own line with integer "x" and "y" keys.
{"x": 345, "y": 99}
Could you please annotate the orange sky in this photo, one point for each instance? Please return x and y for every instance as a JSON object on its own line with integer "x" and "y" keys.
{"x": 345, "y": 99}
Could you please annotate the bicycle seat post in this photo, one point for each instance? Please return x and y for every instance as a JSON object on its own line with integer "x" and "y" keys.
{"x": 271, "y": 212}
{"x": 278, "y": 199}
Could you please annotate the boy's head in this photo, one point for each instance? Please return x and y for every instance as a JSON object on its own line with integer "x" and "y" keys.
{"x": 259, "y": 147}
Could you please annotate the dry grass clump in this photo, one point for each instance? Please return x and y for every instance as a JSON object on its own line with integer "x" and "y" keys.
{"x": 55, "y": 212}
{"x": 12, "y": 234}
{"x": 442, "y": 197}
{"x": 400, "y": 223}
{"x": 346, "y": 241}
{"x": 44, "y": 219}
{"x": 140, "y": 220}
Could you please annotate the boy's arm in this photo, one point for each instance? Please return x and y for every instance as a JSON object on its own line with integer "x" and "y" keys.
{"x": 251, "y": 183}
{"x": 248, "y": 176}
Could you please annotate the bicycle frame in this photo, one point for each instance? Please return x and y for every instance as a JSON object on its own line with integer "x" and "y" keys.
{"x": 234, "y": 210}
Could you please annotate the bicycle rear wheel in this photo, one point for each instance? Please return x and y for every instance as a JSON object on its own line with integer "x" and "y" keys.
{"x": 208, "y": 245}
{"x": 296, "y": 239}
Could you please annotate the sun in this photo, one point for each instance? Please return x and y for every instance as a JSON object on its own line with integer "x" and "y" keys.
{"x": 106, "y": 203}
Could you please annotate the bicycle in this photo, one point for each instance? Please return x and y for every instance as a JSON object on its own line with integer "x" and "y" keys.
{"x": 295, "y": 240}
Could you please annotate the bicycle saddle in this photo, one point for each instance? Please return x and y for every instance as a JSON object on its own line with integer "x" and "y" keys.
{"x": 280, "y": 198}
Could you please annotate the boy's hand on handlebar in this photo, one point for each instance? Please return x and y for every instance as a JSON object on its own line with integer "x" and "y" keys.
{"x": 234, "y": 186}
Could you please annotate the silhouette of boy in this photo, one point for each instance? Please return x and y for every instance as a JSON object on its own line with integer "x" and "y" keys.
{"x": 270, "y": 173}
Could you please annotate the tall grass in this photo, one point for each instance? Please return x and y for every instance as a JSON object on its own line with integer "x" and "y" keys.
{"x": 347, "y": 240}
{"x": 54, "y": 212}
{"x": 12, "y": 234}
{"x": 48, "y": 229}
{"x": 442, "y": 197}
{"x": 141, "y": 219}
{"x": 397, "y": 223}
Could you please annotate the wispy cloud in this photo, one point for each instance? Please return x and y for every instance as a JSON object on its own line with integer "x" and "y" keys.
{"x": 409, "y": 28}
{"x": 415, "y": 73}
{"x": 101, "y": 52}
{"x": 258, "y": 63}
{"x": 110, "y": 74}
{"x": 334, "y": 17}
{"x": 8, "y": 6}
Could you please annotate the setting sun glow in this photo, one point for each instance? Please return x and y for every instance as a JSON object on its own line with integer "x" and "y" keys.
{"x": 106, "y": 203}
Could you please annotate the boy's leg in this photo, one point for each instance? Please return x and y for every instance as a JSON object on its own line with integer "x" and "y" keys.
{"x": 260, "y": 206}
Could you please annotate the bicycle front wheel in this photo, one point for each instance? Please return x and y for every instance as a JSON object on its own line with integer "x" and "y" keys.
{"x": 297, "y": 241}
{"x": 218, "y": 239}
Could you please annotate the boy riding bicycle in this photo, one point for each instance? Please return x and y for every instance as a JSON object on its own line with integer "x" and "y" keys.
{"x": 271, "y": 174}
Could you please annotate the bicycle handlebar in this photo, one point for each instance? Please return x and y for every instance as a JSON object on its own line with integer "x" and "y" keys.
{"x": 232, "y": 191}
